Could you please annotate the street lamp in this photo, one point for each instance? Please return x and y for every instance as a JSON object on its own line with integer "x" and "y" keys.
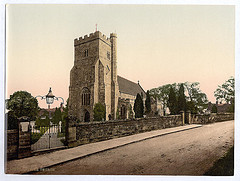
{"x": 50, "y": 98}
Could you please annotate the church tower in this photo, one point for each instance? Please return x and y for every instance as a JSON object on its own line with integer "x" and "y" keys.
{"x": 93, "y": 77}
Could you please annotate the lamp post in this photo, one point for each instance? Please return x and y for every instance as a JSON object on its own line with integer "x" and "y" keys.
{"x": 50, "y": 98}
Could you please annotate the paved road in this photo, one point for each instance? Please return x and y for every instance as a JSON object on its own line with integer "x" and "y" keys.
{"x": 190, "y": 152}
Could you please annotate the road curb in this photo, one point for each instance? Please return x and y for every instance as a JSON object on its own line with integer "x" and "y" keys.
{"x": 107, "y": 149}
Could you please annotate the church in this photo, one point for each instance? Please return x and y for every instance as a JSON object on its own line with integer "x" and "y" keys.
{"x": 94, "y": 79}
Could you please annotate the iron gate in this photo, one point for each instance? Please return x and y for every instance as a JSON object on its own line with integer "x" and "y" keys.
{"x": 46, "y": 138}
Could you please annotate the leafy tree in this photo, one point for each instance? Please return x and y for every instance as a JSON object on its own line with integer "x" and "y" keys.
{"x": 172, "y": 101}
{"x": 45, "y": 122}
{"x": 148, "y": 103}
{"x": 162, "y": 93}
{"x": 65, "y": 116}
{"x": 214, "y": 109}
{"x": 226, "y": 92}
{"x": 138, "y": 107}
{"x": 181, "y": 99}
{"x": 21, "y": 103}
{"x": 57, "y": 117}
{"x": 191, "y": 106}
{"x": 196, "y": 100}
{"x": 99, "y": 112}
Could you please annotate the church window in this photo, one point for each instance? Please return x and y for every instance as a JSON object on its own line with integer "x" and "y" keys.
{"x": 108, "y": 55}
{"x": 86, "y": 53}
{"x": 86, "y": 96}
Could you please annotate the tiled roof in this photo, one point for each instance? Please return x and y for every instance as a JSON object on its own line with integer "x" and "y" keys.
{"x": 129, "y": 87}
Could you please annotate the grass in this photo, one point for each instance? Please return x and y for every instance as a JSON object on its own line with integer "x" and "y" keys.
{"x": 36, "y": 136}
{"x": 224, "y": 166}
{"x": 59, "y": 135}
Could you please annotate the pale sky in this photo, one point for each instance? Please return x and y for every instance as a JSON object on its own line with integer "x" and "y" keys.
{"x": 157, "y": 44}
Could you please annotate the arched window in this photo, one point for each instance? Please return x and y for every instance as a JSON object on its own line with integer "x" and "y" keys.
{"x": 85, "y": 96}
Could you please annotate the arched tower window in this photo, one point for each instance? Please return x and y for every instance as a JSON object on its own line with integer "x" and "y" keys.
{"x": 86, "y": 96}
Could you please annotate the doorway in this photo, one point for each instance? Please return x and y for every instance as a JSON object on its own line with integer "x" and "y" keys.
{"x": 87, "y": 116}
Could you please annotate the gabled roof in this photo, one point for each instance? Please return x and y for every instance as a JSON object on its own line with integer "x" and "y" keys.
{"x": 129, "y": 87}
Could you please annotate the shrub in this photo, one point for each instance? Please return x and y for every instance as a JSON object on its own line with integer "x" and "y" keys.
{"x": 99, "y": 112}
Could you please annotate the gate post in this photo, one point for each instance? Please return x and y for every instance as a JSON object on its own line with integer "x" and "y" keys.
{"x": 24, "y": 145}
{"x": 70, "y": 132}
{"x": 188, "y": 117}
{"x": 183, "y": 117}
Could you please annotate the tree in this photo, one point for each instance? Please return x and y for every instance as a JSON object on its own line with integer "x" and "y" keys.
{"x": 138, "y": 107}
{"x": 191, "y": 106}
{"x": 44, "y": 121}
{"x": 99, "y": 112}
{"x": 148, "y": 103}
{"x": 21, "y": 103}
{"x": 172, "y": 101}
{"x": 162, "y": 93}
{"x": 196, "y": 99}
{"x": 226, "y": 92}
{"x": 64, "y": 116}
{"x": 57, "y": 117}
{"x": 181, "y": 99}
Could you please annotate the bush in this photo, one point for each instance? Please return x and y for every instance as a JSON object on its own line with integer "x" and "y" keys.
{"x": 148, "y": 103}
{"x": 99, "y": 112}
{"x": 35, "y": 137}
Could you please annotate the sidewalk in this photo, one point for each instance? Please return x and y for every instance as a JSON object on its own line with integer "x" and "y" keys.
{"x": 39, "y": 162}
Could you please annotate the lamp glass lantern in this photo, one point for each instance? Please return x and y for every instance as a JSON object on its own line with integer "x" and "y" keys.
{"x": 50, "y": 97}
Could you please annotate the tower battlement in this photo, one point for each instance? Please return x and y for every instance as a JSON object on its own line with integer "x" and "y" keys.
{"x": 90, "y": 37}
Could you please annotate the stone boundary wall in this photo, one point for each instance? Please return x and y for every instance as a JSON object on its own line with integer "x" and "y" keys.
{"x": 211, "y": 118}
{"x": 99, "y": 131}
{"x": 12, "y": 144}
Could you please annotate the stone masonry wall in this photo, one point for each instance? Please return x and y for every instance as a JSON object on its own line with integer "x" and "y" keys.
{"x": 99, "y": 131}
{"x": 12, "y": 144}
{"x": 211, "y": 118}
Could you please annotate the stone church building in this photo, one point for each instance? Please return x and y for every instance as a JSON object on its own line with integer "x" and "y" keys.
{"x": 94, "y": 79}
